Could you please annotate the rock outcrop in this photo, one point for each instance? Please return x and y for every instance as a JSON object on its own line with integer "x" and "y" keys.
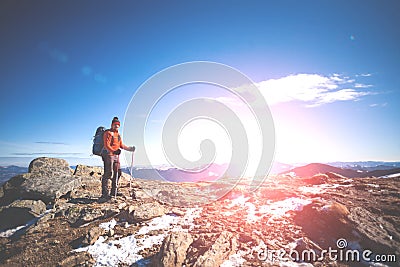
{"x": 174, "y": 249}
{"x": 43, "y": 167}
{"x": 47, "y": 179}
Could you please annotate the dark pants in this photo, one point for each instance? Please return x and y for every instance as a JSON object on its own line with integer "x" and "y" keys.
{"x": 111, "y": 168}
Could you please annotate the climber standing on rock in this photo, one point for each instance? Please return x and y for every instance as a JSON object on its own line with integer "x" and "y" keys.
{"x": 110, "y": 155}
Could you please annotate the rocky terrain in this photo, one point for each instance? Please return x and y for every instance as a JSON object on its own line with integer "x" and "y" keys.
{"x": 50, "y": 217}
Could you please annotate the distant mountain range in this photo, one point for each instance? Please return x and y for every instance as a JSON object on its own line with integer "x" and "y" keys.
{"x": 10, "y": 171}
{"x": 316, "y": 168}
{"x": 365, "y": 165}
{"x": 347, "y": 169}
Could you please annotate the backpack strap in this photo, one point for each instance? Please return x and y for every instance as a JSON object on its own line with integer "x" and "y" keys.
{"x": 112, "y": 138}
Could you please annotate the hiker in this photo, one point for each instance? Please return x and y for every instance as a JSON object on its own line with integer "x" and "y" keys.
{"x": 110, "y": 155}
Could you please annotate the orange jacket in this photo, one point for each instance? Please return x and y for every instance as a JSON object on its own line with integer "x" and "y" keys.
{"x": 112, "y": 145}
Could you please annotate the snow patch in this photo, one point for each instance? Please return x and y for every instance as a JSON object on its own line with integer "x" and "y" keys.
{"x": 123, "y": 251}
{"x": 10, "y": 232}
{"x": 394, "y": 175}
{"x": 126, "y": 250}
{"x": 235, "y": 260}
{"x": 318, "y": 189}
{"x": 278, "y": 208}
{"x": 108, "y": 225}
{"x": 281, "y": 207}
{"x": 160, "y": 223}
{"x": 239, "y": 201}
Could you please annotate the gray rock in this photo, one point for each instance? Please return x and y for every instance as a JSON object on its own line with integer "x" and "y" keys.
{"x": 89, "y": 171}
{"x": 125, "y": 179}
{"x": 174, "y": 248}
{"x": 225, "y": 245}
{"x": 49, "y": 167}
{"x": 49, "y": 188}
{"x": 93, "y": 235}
{"x": 80, "y": 214}
{"x": 11, "y": 188}
{"x": 34, "y": 207}
{"x": 20, "y": 212}
{"x": 77, "y": 259}
{"x": 48, "y": 179}
{"x": 376, "y": 232}
{"x": 90, "y": 187}
{"x": 41, "y": 224}
{"x": 90, "y": 214}
{"x": 146, "y": 211}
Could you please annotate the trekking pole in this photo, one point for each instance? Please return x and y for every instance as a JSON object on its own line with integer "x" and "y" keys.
{"x": 130, "y": 180}
{"x": 116, "y": 173}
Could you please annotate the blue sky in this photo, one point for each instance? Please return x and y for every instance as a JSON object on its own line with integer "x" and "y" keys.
{"x": 330, "y": 69}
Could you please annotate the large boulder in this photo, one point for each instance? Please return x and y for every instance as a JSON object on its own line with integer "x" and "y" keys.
{"x": 49, "y": 188}
{"x": 48, "y": 179}
{"x": 49, "y": 167}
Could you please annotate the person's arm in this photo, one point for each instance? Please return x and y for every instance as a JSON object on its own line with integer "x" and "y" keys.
{"x": 129, "y": 148}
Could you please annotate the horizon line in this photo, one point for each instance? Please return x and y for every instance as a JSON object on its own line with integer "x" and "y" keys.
{"x": 25, "y": 161}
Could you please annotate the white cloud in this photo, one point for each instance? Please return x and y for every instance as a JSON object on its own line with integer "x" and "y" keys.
{"x": 378, "y": 105}
{"x": 341, "y": 95}
{"x": 313, "y": 89}
{"x": 360, "y": 85}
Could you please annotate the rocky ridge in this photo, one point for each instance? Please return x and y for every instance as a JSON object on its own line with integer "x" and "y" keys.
{"x": 52, "y": 213}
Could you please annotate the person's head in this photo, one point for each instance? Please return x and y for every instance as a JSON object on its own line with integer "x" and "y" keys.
{"x": 115, "y": 124}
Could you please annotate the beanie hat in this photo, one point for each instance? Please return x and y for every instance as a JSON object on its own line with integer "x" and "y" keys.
{"x": 115, "y": 121}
